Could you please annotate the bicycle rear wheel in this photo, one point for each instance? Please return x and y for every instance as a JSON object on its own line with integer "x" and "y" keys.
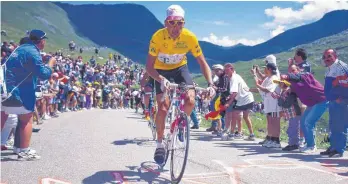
{"x": 179, "y": 153}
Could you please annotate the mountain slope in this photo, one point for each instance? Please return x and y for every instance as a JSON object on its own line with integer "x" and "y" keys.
{"x": 125, "y": 27}
{"x": 129, "y": 27}
{"x": 332, "y": 23}
{"x": 315, "y": 49}
{"x": 17, "y": 17}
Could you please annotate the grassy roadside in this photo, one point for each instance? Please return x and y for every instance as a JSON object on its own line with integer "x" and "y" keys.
{"x": 260, "y": 128}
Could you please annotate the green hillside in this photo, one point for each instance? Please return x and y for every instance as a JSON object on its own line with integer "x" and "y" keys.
{"x": 17, "y": 17}
{"x": 314, "y": 50}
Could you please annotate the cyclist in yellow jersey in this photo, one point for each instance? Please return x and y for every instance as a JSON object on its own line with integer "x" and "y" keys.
{"x": 167, "y": 61}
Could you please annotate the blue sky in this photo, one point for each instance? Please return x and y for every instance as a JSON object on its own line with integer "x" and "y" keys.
{"x": 227, "y": 23}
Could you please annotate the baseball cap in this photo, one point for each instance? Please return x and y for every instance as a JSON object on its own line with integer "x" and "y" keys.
{"x": 55, "y": 75}
{"x": 37, "y": 35}
{"x": 282, "y": 81}
{"x": 217, "y": 66}
{"x": 271, "y": 59}
{"x": 175, "y": 11}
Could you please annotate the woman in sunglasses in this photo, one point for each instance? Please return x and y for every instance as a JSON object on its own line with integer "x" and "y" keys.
{"x": 167, "y": 59}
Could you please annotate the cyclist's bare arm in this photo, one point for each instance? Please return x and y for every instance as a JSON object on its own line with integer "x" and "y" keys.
{"x": 205, "y": 68}
{"x": 150, "y": 62}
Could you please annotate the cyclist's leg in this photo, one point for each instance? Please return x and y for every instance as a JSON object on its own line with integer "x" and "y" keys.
{"x": 183, "y": 75}
{"x": 162, "y": 109}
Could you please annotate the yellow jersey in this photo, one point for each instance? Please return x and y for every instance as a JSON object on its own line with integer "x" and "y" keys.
{"x": 171, "y": 53}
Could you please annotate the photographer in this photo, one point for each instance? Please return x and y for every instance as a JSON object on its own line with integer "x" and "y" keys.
{"x": 23, "y": 67}
{"x": 300, "y": 60}
{"x": 269, "y": 59}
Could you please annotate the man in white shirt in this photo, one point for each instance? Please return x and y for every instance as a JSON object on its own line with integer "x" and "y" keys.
{"x": 239, "y": 91}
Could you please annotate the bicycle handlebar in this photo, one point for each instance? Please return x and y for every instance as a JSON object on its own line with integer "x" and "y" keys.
{"x": 173, "y": 85}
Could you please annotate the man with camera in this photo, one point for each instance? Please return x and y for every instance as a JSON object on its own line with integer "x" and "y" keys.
{"x": 300, "y": 60}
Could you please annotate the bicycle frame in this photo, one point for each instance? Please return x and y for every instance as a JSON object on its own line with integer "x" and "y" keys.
{"x": 172, "y": 107}
{"x": 181, "y": 110}
{"x": 175, "y": 124}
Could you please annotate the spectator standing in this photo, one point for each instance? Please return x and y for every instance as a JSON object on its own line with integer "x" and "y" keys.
{"x": 268, "y": 89}
{"x": 336, "y": 77}
{"x": 311, "y": 93}
{"x": 23, "y": 68}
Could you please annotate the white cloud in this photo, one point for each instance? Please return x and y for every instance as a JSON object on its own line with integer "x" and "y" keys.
{"x": 216, "y": 22}
{"x": 220, "y": 23}
{"x": 226, "y": 41}
{"x": 310, "y": 11}
{"x": 277, "y": 31}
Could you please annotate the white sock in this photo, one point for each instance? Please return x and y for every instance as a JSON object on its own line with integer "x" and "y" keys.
{"x": 24, "y": 149}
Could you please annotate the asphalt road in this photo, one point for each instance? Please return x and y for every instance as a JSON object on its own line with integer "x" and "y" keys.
{"x": 115, "y": 146}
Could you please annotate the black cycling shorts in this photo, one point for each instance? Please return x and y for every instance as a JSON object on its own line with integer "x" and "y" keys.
{"x": 177, "y": 75}
{"x": 246, "y": 107}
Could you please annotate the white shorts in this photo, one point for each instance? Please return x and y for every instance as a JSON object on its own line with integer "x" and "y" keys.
{"x": 15, "y": 110}
{"x": 12, "y": 121}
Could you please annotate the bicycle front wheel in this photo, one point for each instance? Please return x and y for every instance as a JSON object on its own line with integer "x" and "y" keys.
{"x": 179, "y": 153}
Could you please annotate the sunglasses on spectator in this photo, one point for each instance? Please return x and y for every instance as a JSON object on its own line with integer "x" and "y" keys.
{"x": 327, "y": 57}
{"x": 176, "y": 22}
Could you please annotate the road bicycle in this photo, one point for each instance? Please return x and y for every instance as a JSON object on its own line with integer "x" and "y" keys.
{"x": 178, "y": 136}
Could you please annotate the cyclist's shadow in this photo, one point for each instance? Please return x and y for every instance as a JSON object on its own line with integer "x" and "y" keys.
{"x": 147, "y": 172}
{"x": 140, "y": 141}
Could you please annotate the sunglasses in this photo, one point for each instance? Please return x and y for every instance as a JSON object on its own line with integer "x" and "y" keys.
{"x": 176, "y": 22}
{"x": 327, "y": 57}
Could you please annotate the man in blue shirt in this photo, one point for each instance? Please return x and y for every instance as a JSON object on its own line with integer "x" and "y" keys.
{"x": 22, "y": 69}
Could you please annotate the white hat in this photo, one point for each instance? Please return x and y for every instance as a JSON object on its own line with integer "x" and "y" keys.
{"x": 55, "y": 75}
{"x": 218, "y": 66}
{"x": 175, "y": 10}
{"x": 271, "y": 59}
